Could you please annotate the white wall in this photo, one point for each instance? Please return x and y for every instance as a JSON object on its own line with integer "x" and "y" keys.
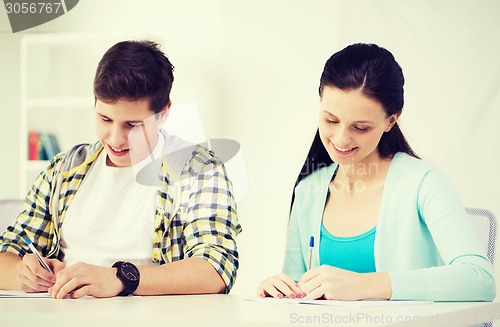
{"x": 253, "y": 68}
{"x": 9, "y": 82}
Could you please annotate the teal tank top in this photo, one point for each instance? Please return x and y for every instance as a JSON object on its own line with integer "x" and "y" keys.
{"x": 354, "y": 253}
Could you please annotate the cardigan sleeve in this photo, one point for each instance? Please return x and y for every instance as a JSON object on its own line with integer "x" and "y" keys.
{"x": 294, "y": 265}
{"x": 467, "y": 274}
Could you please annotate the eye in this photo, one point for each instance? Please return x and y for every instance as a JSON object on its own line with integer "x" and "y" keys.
{"x": 106, "y": 119}
{"x": 361, "y": 129}
{"x": 330, "y": 121}
{"x": 133, "y": 125}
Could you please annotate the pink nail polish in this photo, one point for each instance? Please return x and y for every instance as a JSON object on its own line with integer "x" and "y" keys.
{"x": 300, "y": 296}
{"x": 280, "y": 296}
{"x": 293, "y": 296}
{"x": 262, "y": 295}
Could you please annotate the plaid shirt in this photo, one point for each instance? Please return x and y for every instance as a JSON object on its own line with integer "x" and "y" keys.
{"x": 195, "y": 209}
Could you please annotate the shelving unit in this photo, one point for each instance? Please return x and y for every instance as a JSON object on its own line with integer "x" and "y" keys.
{"x": 57, "y": 72}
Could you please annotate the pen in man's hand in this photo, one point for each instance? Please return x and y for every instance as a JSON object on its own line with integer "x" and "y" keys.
{"x": 311, "y": 247}
{"x": 37, "y": 254}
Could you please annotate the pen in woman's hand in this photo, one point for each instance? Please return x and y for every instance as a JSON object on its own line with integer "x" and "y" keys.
{"x": 311, "y": 247}
{"x": 37, "y": 254}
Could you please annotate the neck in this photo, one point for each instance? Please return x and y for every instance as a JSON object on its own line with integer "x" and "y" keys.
{"x": 371, "y": 169}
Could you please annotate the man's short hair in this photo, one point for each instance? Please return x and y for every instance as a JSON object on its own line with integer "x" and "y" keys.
{"x": 132, "y": 71}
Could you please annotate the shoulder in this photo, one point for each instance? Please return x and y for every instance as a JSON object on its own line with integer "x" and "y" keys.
{"x": 409, "y": 175}
{"x": 203, "y": 156}
{"x": 184, "y": 157}
{"x": 76, "y": 156}
{"x": 405, "y": 161}
{"x": 203, "y": 160}
{"x": 406, "y": 167}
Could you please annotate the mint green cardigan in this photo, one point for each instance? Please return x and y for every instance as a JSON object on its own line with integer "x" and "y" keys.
{"x": 424, "y": 240}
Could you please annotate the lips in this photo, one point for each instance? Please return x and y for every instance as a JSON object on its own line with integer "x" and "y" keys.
{"x": 343, "y": 151}
{"x": 117, "y": 152}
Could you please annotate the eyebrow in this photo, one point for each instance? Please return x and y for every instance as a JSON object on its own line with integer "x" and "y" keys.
{"x": 356, "y": 122}
{"x": 128, "y": 121}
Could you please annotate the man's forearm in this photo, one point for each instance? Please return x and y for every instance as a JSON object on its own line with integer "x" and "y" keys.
{"x": 8, "y": 275}
{"x": 187, "y": 276}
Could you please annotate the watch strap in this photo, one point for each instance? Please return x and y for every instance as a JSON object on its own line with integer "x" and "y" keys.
{"x": 130, "y": 286}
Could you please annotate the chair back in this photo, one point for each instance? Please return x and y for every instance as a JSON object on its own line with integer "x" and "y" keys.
{"x": 486, "y": 226}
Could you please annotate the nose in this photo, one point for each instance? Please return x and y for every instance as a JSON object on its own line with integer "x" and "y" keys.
{"x": 117, "y": 136}
{"x": 342, "y": 136}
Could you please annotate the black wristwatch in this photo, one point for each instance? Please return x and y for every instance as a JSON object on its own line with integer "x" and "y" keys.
{"x": 129, "y": 275}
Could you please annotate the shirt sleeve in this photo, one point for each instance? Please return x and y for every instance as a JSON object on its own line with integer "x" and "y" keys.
{"x": 212, "y": 225}
{"x": 467, "y": 274}
{"x": 34, "y": 221}
{"x": 294, "y": 264}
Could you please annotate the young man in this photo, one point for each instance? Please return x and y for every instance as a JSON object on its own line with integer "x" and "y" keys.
{"x": 139, "y": 212}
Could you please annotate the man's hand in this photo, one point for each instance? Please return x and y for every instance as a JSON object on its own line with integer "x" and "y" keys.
{"x": 32, "y": 277}
{"x": 83, "y": 279}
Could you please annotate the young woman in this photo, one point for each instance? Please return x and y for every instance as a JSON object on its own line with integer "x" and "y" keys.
{"x": 385, "y": 223}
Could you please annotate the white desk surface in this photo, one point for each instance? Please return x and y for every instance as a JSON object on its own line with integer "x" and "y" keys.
{"x": 232, "y": 310}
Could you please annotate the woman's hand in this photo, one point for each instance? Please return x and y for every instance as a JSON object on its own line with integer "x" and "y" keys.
{"x": 83, "y": 279}
{"x": 278, "y": 286}
{"x": 334, "y": 283}
{"x": 32, "y": 277}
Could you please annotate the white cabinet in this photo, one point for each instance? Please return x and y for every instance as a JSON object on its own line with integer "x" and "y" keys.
{"x": 56, "y": 92}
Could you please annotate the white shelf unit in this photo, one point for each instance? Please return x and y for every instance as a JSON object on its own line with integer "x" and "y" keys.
{"x": 56, "y": 95}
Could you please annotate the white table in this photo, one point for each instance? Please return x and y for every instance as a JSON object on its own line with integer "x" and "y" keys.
{"x": 231, "y": 310}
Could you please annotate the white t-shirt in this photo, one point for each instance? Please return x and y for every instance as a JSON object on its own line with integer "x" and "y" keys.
{"x": 111, "y": 217}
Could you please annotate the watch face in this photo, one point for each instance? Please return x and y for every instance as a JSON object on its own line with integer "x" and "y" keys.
{"x": 130, "y": 272}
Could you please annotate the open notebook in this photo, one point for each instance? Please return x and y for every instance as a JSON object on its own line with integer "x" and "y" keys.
{"x": 22, "y": 294}
{"x": 363, "y": 303}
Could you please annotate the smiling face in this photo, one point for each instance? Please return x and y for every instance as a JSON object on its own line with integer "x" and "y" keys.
{"x": 351, "y": 125}
{"x": 119, "y": 123}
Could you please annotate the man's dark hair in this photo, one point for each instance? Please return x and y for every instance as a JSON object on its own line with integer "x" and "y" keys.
{"x": 134, "y": 70}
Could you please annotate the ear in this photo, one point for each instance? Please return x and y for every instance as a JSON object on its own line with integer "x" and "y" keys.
{"x": 163, "y": 114}
{"x": 392, "y": 120}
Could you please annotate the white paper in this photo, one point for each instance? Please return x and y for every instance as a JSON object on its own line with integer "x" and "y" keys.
{"x": 22, "y": 294}
{"x": 362, "y": 303}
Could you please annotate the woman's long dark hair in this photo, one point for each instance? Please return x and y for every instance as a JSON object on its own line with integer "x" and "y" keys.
{"x": 374, "y": 71}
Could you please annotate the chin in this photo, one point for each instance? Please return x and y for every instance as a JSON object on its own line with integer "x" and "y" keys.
{"x": 344, "y": 160}
{"x": 123, "y": 162}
